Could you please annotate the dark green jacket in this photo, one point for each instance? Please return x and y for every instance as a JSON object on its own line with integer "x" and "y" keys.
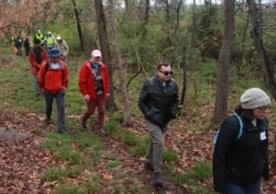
{"x": 244, "y": 161}
{"x": 157, "y": 103}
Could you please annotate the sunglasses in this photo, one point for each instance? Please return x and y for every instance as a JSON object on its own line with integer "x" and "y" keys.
{"x": 264, "y": 108}
{"x": 166, "y": 72}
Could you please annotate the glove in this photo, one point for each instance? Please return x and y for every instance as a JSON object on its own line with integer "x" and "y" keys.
{"x": 87, "y": 98}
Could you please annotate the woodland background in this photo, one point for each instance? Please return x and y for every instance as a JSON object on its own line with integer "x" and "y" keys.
{"x": 217, "y": 50}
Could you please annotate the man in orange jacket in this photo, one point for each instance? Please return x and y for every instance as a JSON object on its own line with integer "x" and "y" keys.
{"x": 36, "y": 56}
{"x": 93, "y": 83}
{"x": 53, "y": 82}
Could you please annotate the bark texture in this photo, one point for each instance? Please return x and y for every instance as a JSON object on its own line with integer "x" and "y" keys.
{"x": 224, "y": 60}
{"x": 104, "y": 44}
{"x": 118, "y": 61}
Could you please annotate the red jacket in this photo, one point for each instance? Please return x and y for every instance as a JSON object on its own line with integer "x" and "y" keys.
{"x": 32, "y": 59}
{"x": 86, "y": 80}
{"x": 54, "y": 80}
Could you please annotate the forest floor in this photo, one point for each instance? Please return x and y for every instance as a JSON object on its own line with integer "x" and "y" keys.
{"x": 83, "y": 162}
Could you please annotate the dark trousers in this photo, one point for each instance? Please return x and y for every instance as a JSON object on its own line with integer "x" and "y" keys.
{"x": 59, "y": 96}
{"x": 27, "y": 51}
{"x": 91, "y": 105}
{"x": 235, "y": 189}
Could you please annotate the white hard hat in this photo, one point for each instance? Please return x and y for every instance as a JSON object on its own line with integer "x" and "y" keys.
{"x": 58, "y": 37}
{"x": 49, "y": 32}
{"x": 39, "y": 31}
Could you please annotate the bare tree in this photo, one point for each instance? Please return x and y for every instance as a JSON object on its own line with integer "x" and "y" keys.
{"x": 184, "y": 71}
{"x": 104, "y": 44}
{"x": 224, "y": 63}
{"x": 193, "y": 31}
{"x": 127, "y": 111}
{"x": 78, "y": 20}
{"x": 258, "y": 43}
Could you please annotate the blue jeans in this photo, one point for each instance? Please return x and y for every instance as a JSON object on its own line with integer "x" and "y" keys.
{"x": 235, "y": 189}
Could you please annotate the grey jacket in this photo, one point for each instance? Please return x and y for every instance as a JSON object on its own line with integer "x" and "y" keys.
{"x": 158, "y": 103}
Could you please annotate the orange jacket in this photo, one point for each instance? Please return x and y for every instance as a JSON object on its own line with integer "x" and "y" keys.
{"x": 32, "y": 59}
{"x": 86, "y": 80}
{"x": 54, "y": 80}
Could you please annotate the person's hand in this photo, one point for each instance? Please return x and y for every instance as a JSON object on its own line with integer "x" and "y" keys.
{"x": 107, "y": 95}
{"x": 38, "y": 66}
{"x": 87, "y": 98}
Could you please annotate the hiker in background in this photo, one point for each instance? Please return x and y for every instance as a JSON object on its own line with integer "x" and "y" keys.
{"x": 53, "y": 82}
{"x": 39, "y": 36}
{"x": 158, "y": 101}
{"x": 36, "y": 56}
{"x": 27, "y": 46}
{"x": 93, "y": 83}
{"x": 241, "y": 148}
{"x": 50, "y": 41}
{"x": 63, "y": 48}
{"x": 44, "y": 46}
{"x": 14, "y": 50}
{"x": 18, "y": 44}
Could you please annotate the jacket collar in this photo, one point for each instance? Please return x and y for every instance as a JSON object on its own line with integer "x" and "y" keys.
{"x": 158, "y": 81}
{"x": 88, "y": 64}
{"x": 261, "y": 123}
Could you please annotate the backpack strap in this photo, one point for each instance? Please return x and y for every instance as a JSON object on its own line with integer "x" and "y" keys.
{"x": 241, "y": 125}
{"x": 46, "y": 69}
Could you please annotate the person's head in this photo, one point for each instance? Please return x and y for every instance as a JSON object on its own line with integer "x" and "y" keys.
{"x": 44, "y": 46}
{"x": 37, "y": 43}
{"x": 164, "y": 71}
{"x": 54, "y": 55}
{"x": 254, "y": 104}
{"x": 38, "y": 32}
{"x": 59, "y": 39}
{"x": 49, "y": 33}
{"x": 96, "y": 56}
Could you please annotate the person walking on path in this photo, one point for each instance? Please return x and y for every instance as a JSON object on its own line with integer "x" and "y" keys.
{"x": 50, "y": 41}
{"x": 53, "y": 82}
{"x": 240, "y": 157}
{"x": 93, "y": 83}
{"x": 18, "y": 44}
{"x": 62, "y": 46}
{"x": 27, "y": 46}
{"x": 36, "y": 56}
{"x": 158, "y": 100}
{"x": 39, "y": 36}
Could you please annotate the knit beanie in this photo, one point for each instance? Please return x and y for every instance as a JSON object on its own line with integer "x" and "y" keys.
{"x": 253, "y": 98}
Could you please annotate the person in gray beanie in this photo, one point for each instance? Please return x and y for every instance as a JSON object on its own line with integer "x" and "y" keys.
{"x": 240, "y": 157}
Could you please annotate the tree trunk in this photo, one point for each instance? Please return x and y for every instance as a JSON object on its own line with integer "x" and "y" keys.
{"x": 127, "y": 111}
{"x": 77, "y": 15}
{"x": 175, "y": 33}
{"x": 224, "y": 63}
{"x": 258, "y": 43}
{"x": 193, "y": 31}
{"x": 184, "y": 69}
{"x": 102, "y": 32}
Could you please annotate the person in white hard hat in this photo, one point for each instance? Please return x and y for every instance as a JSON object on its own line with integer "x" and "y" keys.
{"x": 50, "y": 40}
{"x": 63, "y": 48}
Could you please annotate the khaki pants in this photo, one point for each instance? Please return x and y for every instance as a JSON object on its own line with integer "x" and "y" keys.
{"x": 156, "y": 145}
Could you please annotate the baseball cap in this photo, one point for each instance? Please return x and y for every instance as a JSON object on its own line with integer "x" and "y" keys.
{"x": 96, "y": 53}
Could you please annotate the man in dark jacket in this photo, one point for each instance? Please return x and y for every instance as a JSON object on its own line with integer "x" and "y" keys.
{"x": 18, "y": 44}
{"x": 27, "y": 46}
{"x": 158, "y": 101}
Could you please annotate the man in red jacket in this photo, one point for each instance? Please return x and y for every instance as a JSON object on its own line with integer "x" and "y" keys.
{"x": 93, "y": 83}
{"x": 36, "y": 57}
{"x": 53, "y": 82}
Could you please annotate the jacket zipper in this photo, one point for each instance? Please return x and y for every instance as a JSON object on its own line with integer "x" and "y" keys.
{"x": 255, "y": 157}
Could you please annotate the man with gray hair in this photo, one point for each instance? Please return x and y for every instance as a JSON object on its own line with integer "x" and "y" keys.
{"x": 158, "y": 101}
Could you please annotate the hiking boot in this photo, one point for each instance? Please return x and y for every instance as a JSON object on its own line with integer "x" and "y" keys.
{"x": 48, "y": 120}
{"x": 148, "y": 166}
{"x": 83, "y": 122}
{"x": 62, "y": 131}
{"x": 158, "y": 180}
{"x": 38, "y": 95}
{"x": 101, "y": 132}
